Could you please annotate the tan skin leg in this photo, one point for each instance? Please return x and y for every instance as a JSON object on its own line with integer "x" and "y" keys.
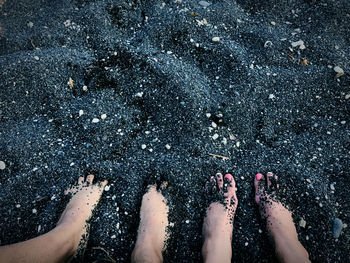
{"x": 279, "y": 222}
{"x": 62, "y": 242}
{"x": 218, "y": 223}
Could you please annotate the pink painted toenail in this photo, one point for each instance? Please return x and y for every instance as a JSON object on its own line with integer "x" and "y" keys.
{"x": 228, "y": 176}
{"x": 259, "y": 176}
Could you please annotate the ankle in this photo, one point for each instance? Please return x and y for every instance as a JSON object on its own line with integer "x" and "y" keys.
{"x": 217, "y": 248}
{"x": 72, "y": 234}
{"x": 144, "y": 252}
{"x": 289, "y": 249}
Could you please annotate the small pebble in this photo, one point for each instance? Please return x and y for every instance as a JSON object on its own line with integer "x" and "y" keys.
{"x": 204, "y": 3}
{"x": 85, "y": 88}
{"x": 209, "y": 115}
{"x": 118, "y": 225}
{"x": 95, "y": 120}
{"x": 187, "y": 221}
{"x": 232, "y": 137}
{"x": 216, "y": 39}
{"x": 320, "y": 204}
{"x": 302, "y": 223}
{"x": 103, "y": 116}
{"x": 347, "y": 96}
{"x": 30, "y": 24}
{"x": 224, "y": 141}
{"x": 81, "y": 112}
{"x": 337, "y": 227}
{"x": 260, "y": 231}
{"x": 139, "y": 94}
{"x": 34, "y": 211}
{"x": 246, "y": 244}
{"x": 107, "y": 187}
{"x": 143, "y": 146}
{"x": 214, "y": 125}
{"x": 343, "y": 122}
{"x": 273, "y": 23}
{"x": 126, "y": 213}
{"x": 168, "y": 147}
{"x": 238, "y": 144}
{"x": 36, "y": 58}
{"x": 215, "y": 136}
{"x": 2, "y": 165}
{"x": 113, "y": 237}
{"x": 18, "y": 206}
{"x": 332, "y": 187}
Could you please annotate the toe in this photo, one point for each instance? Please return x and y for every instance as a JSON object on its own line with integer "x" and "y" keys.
{"x": 259, "y": 183}
{"x": 89, "y": 178}
{"x": 104, "y": 183}
{"x": 219, "y": 180}
{"x": 81, "y": 180}
{"x": 230, "y": 184}
{"x": 269, "y": 177}
{"x": 276, "y": 180}
{"x": 213, "y": 183}
{"x": 164, "y": 185}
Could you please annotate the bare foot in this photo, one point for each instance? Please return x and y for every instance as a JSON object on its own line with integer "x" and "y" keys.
{"x": 85, "y": 197}
{"x": 61, "y": 243}
{"x": 279, "y": 221}
{"x": 218, "y": 223}
{"x": 151, "y": 236}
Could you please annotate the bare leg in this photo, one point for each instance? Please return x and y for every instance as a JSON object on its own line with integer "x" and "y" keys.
{"x": 151, "y": 236}
{"x": 218, "y": 223}
{"x": 279, "y": 221}
{"x": 62, "y": 242}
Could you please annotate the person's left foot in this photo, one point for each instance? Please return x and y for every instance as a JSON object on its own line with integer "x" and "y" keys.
{"x": 86, "y": 196}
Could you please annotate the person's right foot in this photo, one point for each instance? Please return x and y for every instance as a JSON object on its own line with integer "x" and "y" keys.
{"x": 279, "y": 222}
{"x": 218, "y": 222}
{"x": 152, "y": 235}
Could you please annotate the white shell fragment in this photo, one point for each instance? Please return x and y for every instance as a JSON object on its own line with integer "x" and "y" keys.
{"x": 215, "y": 136}
{"x": 103, "y": 116}
{"x": 299, "y": 44}
{"x": 339, "y": 71}
{"x": 216, "y": 39}
{"x": 2, "y": 165}
{"x": 95, "y": 120}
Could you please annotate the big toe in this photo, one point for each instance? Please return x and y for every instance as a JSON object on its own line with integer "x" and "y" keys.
{"x": 259, "y": 183}
{"x": 231, "y": 189}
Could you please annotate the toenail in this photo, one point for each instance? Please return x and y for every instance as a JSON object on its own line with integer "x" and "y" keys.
{"x": 258, "y": 176}
{"x": 228, "y": 176}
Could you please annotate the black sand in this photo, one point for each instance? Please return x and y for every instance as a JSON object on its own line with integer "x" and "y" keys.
{"x": 155, "y": 71}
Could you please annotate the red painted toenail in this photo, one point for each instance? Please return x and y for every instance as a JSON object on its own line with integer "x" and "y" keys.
{"x": 228, "y": 176}
{"x": 259, "y": 176}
